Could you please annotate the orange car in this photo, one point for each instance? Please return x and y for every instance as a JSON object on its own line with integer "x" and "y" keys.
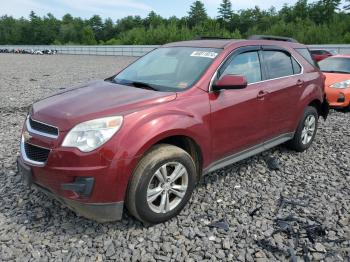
{"x": 337, "y": 72}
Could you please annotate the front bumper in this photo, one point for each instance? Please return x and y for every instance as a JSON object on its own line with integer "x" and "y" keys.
{"x": 338, "y": 98}
{"x": 64, "y": 169}
{"x": 100, "y": 212}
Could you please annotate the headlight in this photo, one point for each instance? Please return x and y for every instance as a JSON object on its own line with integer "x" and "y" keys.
{"x": 88, "y": 136}
{"x": 343, "y": 84}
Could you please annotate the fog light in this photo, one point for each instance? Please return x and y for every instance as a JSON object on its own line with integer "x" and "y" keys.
{"x": 341, "y": 98}
{"x": 82, "y": 186}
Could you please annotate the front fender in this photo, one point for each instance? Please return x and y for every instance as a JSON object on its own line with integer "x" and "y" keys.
{"x": 141, "y": 133}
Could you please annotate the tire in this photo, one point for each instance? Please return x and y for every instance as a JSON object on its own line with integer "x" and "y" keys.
{"x": 306, "y": 131}
{"x": 147, "y": 193}
{"x": 345, "y": 109}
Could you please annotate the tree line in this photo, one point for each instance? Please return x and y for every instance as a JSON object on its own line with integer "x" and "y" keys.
{"x": 317, "y": 22}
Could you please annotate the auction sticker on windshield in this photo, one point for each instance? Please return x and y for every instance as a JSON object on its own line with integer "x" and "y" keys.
{"x": 211, "y": 55}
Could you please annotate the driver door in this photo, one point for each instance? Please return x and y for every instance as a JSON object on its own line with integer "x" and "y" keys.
{"x": 238, "y": 117}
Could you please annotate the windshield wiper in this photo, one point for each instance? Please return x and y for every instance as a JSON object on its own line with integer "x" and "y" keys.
{"x": 143, "y": 85}
{"x": 136, "y": 84}
{"x": 335, "y": 71}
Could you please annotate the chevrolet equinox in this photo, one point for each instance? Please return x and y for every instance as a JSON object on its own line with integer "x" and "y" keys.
{"x": 144, "y": 137}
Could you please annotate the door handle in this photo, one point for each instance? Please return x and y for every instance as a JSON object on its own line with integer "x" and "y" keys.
{"x": 262, "y": 94}
{"x": 300, "y": 83}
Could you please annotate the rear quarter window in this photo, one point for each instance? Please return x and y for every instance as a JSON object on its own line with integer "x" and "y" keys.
{"x": 296, "y": 66}
{"x": 304, "y": 52}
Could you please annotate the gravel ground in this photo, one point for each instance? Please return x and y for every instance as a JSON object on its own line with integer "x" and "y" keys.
{"x": 244, "y": 212}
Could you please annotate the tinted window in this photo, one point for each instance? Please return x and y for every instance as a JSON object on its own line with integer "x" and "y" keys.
{"x": 278, "y": 64}
{"x": 246, "y": 64}
{"x": 296, "y": 66}
{"x": 304, "y": 52}
{"x": 336, "y": 65}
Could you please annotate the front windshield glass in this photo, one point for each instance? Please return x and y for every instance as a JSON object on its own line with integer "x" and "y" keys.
{"x": 335, "y": 65}
{"x": 168, "y": 69}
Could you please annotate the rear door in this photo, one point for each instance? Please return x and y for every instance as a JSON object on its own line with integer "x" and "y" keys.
{"x": 284, "y": 84}
{"x": 238, "y": 117}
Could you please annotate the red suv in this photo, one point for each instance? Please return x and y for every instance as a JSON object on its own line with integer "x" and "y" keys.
{"x": 145, "y": 136}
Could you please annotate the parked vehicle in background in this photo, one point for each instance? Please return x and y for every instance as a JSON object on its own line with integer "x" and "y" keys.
{"x": 337, "y": 72}
{"x": 320, "y": 54}
{"x": 29, "y": 51}
{"x": 145, "y": 136}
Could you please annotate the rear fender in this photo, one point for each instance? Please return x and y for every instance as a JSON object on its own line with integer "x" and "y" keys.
{"x": 311, "y": 93}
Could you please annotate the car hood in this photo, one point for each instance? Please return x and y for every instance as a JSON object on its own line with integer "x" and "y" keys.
{"x": 332, "y": 78}
{"x": 94, "y": 100}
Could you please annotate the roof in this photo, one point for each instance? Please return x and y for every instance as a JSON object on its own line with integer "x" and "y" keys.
{"x": 224, "y": 43}
{"x": 217, "y": 43}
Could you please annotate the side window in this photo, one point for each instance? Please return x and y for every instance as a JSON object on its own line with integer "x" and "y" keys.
{"x": 296, "y": 66}
{"x": 278, "y": 64}
{"x": 304, "y": 52}
{"x": 246, "y": 64}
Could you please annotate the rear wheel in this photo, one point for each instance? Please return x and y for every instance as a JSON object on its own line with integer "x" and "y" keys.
{"x": 161, "y": 185}
{"x": 306, "y": 131}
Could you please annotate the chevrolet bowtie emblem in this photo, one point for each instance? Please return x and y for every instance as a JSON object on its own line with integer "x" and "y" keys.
{"x": 26, "y": 136}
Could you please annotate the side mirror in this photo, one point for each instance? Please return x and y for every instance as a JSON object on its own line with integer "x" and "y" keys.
{"x": 230, "y": 82}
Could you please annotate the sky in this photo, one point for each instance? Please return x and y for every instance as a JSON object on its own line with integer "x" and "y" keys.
{"x": 120, "y": 8}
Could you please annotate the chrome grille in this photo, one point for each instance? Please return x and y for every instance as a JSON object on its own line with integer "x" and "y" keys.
{"x": 42, "y": 129}
{"x": 35, "y": 153}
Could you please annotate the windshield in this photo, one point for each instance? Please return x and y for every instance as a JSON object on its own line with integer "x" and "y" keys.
{"x": 168, "y": 69}
{"x": 335, "y": 65}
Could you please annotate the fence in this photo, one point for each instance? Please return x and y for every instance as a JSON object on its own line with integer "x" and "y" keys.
{"x": 106, "y": 50}
{"x": 341, "y": 49}
{"x": 129, "y": 50}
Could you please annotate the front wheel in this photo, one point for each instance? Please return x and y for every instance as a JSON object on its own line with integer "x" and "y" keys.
{"x": 306, "y": 131}
{"x": 161, "y": 184}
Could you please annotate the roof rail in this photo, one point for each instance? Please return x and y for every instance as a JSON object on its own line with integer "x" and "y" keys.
{"x": 211, "y": 38}
{"x": 272, "y": 37}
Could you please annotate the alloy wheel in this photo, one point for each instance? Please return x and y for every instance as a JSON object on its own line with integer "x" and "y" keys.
{"x": 308, "y": 130}
{"x": 167, "y": 187}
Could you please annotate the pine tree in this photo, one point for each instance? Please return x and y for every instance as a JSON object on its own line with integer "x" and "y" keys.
{"x": 225, "y": 10}
{"x": 88, "y": 37}
{"x": 197, "y": 14}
